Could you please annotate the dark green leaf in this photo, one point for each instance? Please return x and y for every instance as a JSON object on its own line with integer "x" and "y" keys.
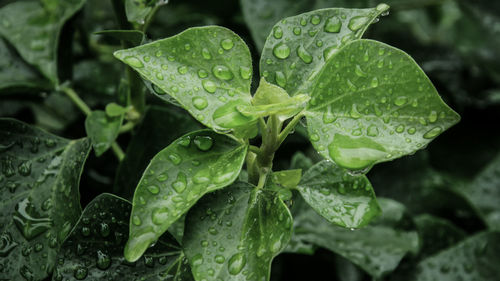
{"x": 300, "y": 161}
{"x": 39, "y": 181}
{"x": 94, "y": 249}
{"x": 102, "y": 130}
{"x": 298, "y": 48}
{"x": 139, "y": 10}
{"x": 436, "y": 234}
{"x": 33, "y": 27}
{"x": 374, "y": 104}
{"x": 208, "y": 70}
{"x": 134, "y": 37}
{"x": 179, "y": 175}
{"x": 343, "y": 199}
{"x": 234, "y": 234}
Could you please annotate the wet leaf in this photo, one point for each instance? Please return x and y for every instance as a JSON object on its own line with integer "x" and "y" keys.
{"x": 341, "y": 198}
{"x": 179, "y": 175}
{"x": 437, "y": 234}
{"x": 233, "y": 234}
{"x": 39, "y": 181}
{"x": 33, "y": 27}
{"x": 94, "y": 248}
{"x": 374, "y": 104}
{"x": 102, "y": 130}
{"x": 287, "y": 178}
{"x": 207, "y": 70}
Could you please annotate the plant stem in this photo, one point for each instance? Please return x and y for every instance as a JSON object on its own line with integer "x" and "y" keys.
{"x": 127, "y": 127}
{"x": 118, "y": 151}
{"x": 149, "y": 18}
{"x": 289, "y": 128}
{"x": 254, "y": 149}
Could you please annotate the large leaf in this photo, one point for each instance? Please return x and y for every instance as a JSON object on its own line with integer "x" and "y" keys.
{"x": 208, "y": 70}
{"x": 39, "y": 181}
{"x": 298, "y": 48}
{"x": 343, "y": 199}
{"x": 33, "y": 27}
{"x": 234, "y": 234}
{"x": 377, "y": 249}
{"x": 372, "y": 103}
{"x": 102, "y": 130}
{"x": 176, "y": 178}
{"x": 436, "y": 234}
{"x": 147, "y": 142}
{"x": 94, "y": 248}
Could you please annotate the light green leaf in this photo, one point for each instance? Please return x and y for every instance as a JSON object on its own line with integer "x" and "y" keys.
{"x": 115, "y": 110}
{"x": 39, "y": 180}
{"x": 179, "y": 175}
{"x": 298, "y": 48}
{"x": 341, "y": 198}
{"x": 233, "y": 234}
{"x": 377, "y": 249}
{"x": 134, "y": 37}
{"x": 374, "y": 104}
{"x": 138, "y": 10}
{"x": 94, "y": 248}
{"x": 33, "y": 27}
{"x": 207, "y": 70}
{"x": 102, "y": 130}
{"x": 287, "y": 178}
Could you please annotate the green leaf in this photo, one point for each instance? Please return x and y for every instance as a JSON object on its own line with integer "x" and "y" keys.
{"x": 436, "y": 234}
{"x": 377, "y": 249}
{"x": 233, "y": 234}
{"x": 102, "y": 130}
{"x": 298, "y": 48}
{"x": 301, "y": 161}
{"x": 372, "y": 103}
{"x": 341, "y": 198}
{"x": 39, "y": 180}
{"x": 94, "y": 248}
{"x": 287, "y": 178}
{"x": 115, "y": 110}
{"x": 179, "y": 175}
{"x": 476, "y": 258}
{"x": 134, "y": 37}
{"x": 160, "y": 127}
{"x": 207, "y": 70}
{"x": 33, "y": 27}
{"x": 138, "y": 10}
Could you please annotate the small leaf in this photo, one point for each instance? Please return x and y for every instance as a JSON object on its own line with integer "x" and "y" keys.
{"x": 102, "y": 130}
{"x": 233, "y": 234}
{"x": 179, "y": 175}
{"x": 39, "y": 179}
{"x": 207, "y": 70}
{"x": 301, "y": 161}
{"x": 115, "y": 110}
{"x": 33, "y": 27}
{"x": 372, "y": 104}
{"x": 94, "y": 248}
{"x": 341, "y": 198}
{"x": 298, "y": 48}
{"x": 287, "y": 178}
{"x": 134, "y": 37}
{"x": 138, "y": 10}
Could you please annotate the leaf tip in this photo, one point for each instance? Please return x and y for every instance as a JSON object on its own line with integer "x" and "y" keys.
{"x": 135, "y": 248}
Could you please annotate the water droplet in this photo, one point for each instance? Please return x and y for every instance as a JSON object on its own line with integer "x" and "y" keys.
{"x": 175, "y": 158}
{"x": 297, "y": 30}
{"x": 280, "y": 79}
{"x": 400, "y": 128}
{"x": 236, "y": 263}
{"x": 432, "y": 133}
{"x": 163, "y": 176}
{"x": 200, "y": 103}
{"x": 281, "y": 51}
{"x": 103, "y": 260}
{"x": 277, "y": 32}
{"x": 355, "y": 153}
{"x": 28, "y": 222}
{"x": 153, "y": 189}
{"x": 134, "y": 62}
{"x": 374, "y": 82}
{"x": 227, "y": 44}
{"x": 182, "y": 69}
{"x": 80, "y": 273}
{"x": 136, "y": 220}
{"x": 328, "y": 116}
{"x": 315, "y": 19}
{"x": 203, "y": 143}
{"x": 24, "y": 168}
{"x": 433, "y": 116}
{"x": 219, "y": 259}
{"x": 104, "y": 229}
{"x": 357, "y": 22}
{"x": 372, "y": 131}
{"x": 359, "y": 71}
{"x": 6, "y": 244}
{"x": 180, "y": 184}
{"x": 160, "y": 215}
{"x": 209, "y": 86}
{"x": 333, "y": 25}
{"x": 401, "y": 100}
{"x": 303, "y": 54}
{"x": 329, "y": 52}
{"x": 222, "y": 72}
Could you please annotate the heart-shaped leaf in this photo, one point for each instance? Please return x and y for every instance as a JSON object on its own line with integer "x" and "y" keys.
{"x": 40, "y": 197}
{"x": 179, "y": 175}
{"x": 233, "y": 234}
{"x": 94, "y": 248}
{"x": 207, "y": 70}
{"x": 372, "y": 103}
{"x": 102, "y": 130}
{"x": 341, "y": 198}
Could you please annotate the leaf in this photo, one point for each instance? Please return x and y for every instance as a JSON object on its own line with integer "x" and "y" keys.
{"x": 115, "y": 110}
{"x": 298, "y": 48}
{"x": 341, "y": 198}
{"x": 287, "y": 178}
{"x": 33, "y": 27}
{"x": 179, "y": 175}
{"x": 476, "y": 258}
{"x": 39, "y": 181}
{"x": 437, "y": 234}
{"x": 94, "y": 248}
{"x": 301, "y": 161}
{"x": 134, "y": 37}
{"x": 208, "y": 70}
{"x": 138, "y": 10}
{"x": 377, "y": 249}
{"x": 102, "y": 130}
{"x": 374, "y": 104}
{"x": 233, "y": 234}
{"x": 151, "y": 138}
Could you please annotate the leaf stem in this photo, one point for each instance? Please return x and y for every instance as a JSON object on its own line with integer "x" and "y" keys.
{"x": 254, "y": 149}
{"x": 118, "y": 151}
{"x": 149, "y": 18}
{"x": 127, "y": 127}
{"x": 289, "y": 128}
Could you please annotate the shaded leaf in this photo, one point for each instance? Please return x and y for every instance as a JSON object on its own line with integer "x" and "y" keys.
{"x": 233, "y": 234}
{"x": 138, "y": 10}
{"x": 437, "y": 234}
{"x": 134, "y": 37}
{"x": 94, "y": 248}
{"x": 39, "y": 180}
{"x": 179, "y": 175}
{"x": 102, "y": 130}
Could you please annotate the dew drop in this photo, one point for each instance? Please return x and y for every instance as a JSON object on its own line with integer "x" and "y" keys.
{"x": 175, "y": 158}
{"x": 222, "y": 72}
{"x": 245, "y": 72}
{"x": 160, "y": 215}
{"x": 153, "y": 189}
{"x": 202, "y": 73}
{"x": 374, "y": 82}
{"x": 200, "y": 103}
{"x": 281, "y": 51}
{"x": 432, "y": 133}
{"x": 333, "y": 25}
{"x": 80, "y": 273}
{"x": 315, "y": 19}
{"x": 280, "y": 79}
{"x": 277, "y": 32}
{"x": 182, "y": 69}
{"x": 136, "y": 220}
{"x": 433, "y": 116}
{"x": 303, "y": 54}
{"x": 297, "y": 30}
{"x": 103, "y": 260}
{"x": 236, "y": 263}
{"x": 219, "y": 259}
{"x": 203, "y": 143}
{"x": 209, "y": 86}
{"x": 227, "y": 44}
{"x": 134, "y": 62}
{"x": 180, "y": 184}
{"x": 357, "y": 22}
{"x": 401, "y": 100}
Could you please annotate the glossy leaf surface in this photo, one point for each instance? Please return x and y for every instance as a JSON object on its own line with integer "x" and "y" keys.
{"x": 39, "y": 180}
{"x": 179, "y": 175}
{"x": 94, "y": 248}
{"x": 298, "y": 47}
{"x": 207, "y": 70}
{"x": 374, "y": 104}
{"x": 102, "y": 130}
{"x": 33, "y": 27}
{"x": 343, "y": 199}
{"x": 234, "y": 233}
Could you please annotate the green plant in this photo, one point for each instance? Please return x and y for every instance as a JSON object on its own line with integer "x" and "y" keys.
{"x": 195, "y": 211}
